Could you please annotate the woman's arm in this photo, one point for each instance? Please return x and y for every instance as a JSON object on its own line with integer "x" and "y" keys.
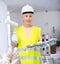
{"x": 40, "y": 39}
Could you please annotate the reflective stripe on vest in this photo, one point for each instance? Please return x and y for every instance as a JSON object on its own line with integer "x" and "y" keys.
{"x": 24, "y": 49}
{"x": 30, "y": 57}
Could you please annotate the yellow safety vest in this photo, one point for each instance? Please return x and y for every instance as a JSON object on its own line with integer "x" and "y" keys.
{"x": 28, "y": 56}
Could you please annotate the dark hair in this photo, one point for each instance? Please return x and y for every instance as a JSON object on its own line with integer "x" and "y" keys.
{"x": 27, "y": 12}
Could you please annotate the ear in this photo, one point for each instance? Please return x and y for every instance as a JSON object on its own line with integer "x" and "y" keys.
{"x": 22, "y": 16}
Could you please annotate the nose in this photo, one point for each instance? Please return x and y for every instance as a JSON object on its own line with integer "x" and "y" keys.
{"x": 28, "y": 18}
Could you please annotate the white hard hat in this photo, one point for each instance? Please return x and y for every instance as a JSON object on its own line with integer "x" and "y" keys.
{"x": 26, "y": 9}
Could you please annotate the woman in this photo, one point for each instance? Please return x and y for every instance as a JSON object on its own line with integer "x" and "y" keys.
{"x": 27, "y": 35}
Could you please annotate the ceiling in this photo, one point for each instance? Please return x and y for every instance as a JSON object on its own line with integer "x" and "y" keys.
{"x": 38, "y": 5}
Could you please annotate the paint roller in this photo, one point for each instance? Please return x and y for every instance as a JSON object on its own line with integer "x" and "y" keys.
{"x": 12, "y": 23}
{"x": 9, "y": 21}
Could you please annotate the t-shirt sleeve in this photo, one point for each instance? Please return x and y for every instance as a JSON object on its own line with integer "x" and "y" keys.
{"x": 14, "y": 38}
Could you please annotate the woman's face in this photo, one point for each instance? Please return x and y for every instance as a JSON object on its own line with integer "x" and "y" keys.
{"x": 27, "y": 18}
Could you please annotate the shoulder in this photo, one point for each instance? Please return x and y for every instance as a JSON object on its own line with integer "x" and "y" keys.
{"x": 37, "y": 28}
{"x": 18, "y": 28}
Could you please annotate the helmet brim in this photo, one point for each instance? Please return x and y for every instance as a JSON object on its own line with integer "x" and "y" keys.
{"x": 28, "y": 12}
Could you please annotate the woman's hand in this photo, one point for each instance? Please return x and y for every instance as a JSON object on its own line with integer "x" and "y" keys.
{"x": 14, "y": 44}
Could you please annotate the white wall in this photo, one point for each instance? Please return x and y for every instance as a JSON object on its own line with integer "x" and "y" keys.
{"x": 45, "y": 20}
{"x": 3, "y": 9}
{"x": 3, "y": 29}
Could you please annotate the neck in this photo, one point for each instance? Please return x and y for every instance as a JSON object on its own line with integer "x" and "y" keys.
{"x": 27, "y": 26}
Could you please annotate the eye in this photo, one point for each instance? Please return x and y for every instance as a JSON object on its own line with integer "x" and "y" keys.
{"x": 30, "y": 16}
{"x": 26, "y": 16}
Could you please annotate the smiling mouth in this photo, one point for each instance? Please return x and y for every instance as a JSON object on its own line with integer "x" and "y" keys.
{"x": 28, "y": 21}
